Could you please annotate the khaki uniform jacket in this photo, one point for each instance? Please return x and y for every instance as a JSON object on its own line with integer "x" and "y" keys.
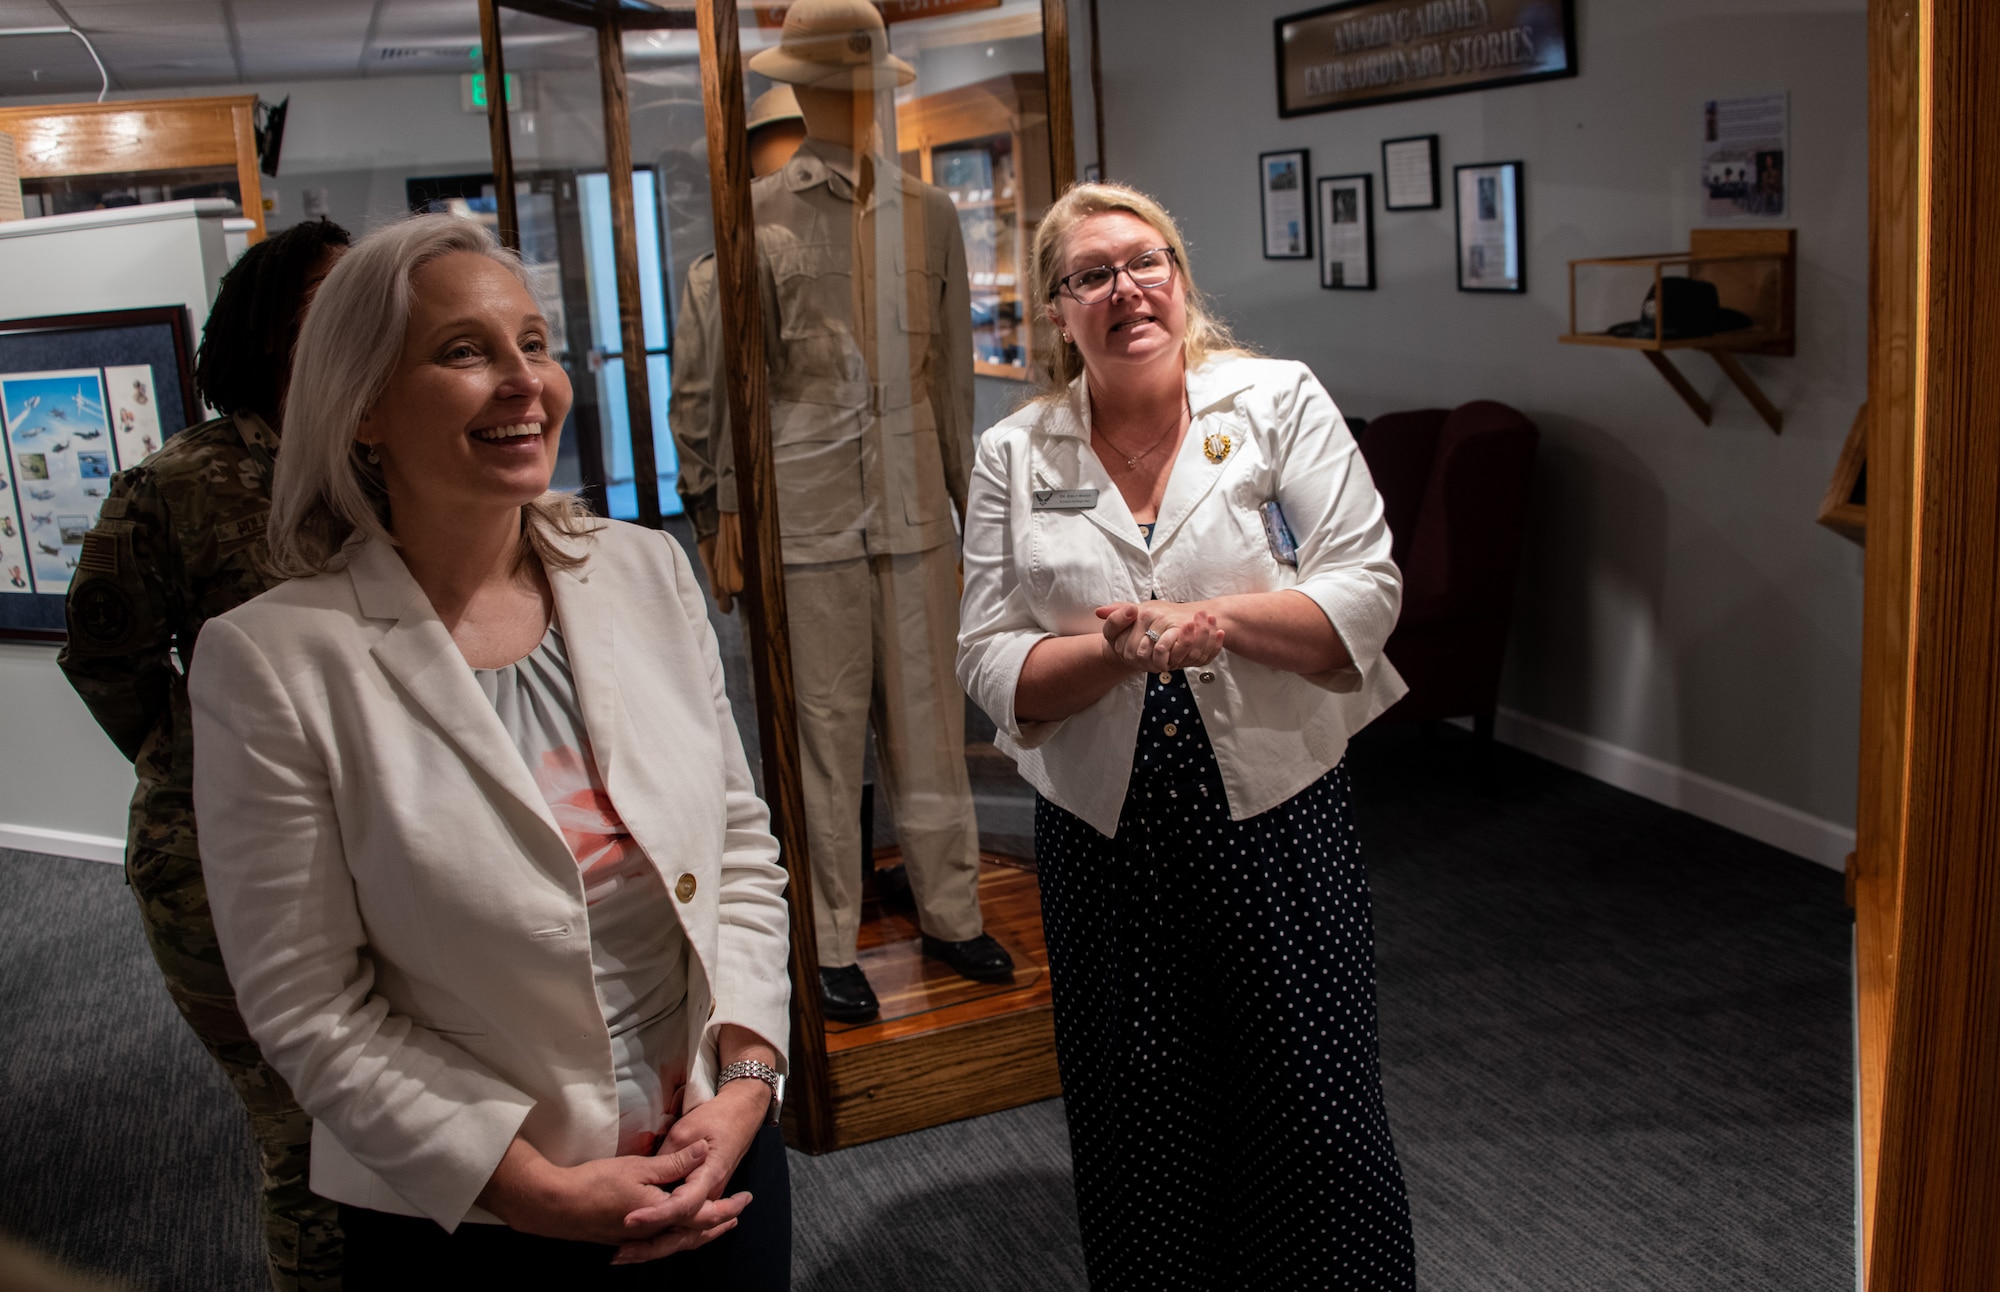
{"x": 180, "y": 540}
{"x": 403, "y": 921}
{"x": 868, "y": 334}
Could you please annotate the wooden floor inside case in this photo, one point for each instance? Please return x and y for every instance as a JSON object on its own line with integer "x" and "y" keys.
{"x": 945, "y": 1047}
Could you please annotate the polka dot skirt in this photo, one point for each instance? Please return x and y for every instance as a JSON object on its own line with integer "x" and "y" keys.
{"x": 1215, "y": 1025}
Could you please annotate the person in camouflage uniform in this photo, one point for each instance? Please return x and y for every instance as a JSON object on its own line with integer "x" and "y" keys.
{"x": 180, "y": 540}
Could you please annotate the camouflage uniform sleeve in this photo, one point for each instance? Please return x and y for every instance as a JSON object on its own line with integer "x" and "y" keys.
{"x": 121, "y": 612}
{"x": 698, "y": 413}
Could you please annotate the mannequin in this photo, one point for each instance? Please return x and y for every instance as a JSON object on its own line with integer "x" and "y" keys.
{"x": 868, "y": 334}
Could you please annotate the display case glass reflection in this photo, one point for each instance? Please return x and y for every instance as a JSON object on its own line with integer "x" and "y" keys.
{"x": 892, "y": 236}
{"x": 563, "y": 206}
{"x": 986, "y": 145}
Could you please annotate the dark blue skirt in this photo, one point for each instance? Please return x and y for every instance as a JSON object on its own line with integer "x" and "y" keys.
{"x": 1214, "y": 988}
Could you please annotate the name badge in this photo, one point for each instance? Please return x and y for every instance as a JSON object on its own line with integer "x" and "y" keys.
{"x": 1065, "y": 499}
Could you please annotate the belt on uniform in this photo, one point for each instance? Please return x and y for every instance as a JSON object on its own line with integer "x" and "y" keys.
{"x": 878, "y": 397}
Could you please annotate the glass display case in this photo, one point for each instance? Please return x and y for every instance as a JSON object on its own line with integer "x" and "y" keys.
{"x": 987, "y": 146}
{"x": 817, "y": 326}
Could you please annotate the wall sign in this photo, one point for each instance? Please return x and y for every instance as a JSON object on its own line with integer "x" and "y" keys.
{"x": 1374, "y": 51}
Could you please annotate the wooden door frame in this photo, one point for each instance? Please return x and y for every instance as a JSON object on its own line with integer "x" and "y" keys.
{"x": 1927, "y": 866}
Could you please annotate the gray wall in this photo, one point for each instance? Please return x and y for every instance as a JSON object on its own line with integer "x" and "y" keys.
{"x": 1679, "y": 602}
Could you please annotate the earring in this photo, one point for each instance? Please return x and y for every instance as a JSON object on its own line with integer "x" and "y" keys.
{"x": 374, "y": 458}
{"x": 1065, "y": 337}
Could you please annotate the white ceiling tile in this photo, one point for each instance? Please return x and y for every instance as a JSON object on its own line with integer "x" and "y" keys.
{"x": 27, "y": 13}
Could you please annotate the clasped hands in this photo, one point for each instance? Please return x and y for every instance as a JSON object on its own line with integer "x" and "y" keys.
{"x": 1159, "y": 636}
{"x": 648, "y": 1206}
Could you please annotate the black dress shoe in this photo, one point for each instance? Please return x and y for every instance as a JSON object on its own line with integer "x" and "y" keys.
{"x": 980, "y": 959}
{"x": 845, "y": 996}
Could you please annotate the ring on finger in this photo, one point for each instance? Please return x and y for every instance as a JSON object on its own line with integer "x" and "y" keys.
{"x": 1152, "y": 635}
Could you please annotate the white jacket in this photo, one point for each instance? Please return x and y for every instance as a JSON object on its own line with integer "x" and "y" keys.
{"x": 1032, "y": 574}
{"x": 400, "y": 915}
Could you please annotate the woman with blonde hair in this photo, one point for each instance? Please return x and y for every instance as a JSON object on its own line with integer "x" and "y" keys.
{"x": 492, "y": 883}
{"x": 1177, "y": 589}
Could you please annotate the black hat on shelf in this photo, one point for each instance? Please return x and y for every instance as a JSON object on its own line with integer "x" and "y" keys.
{"x": 1693, "y": 308}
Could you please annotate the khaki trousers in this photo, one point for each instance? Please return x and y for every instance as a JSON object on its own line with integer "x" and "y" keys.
{"x": 875, "y": 637}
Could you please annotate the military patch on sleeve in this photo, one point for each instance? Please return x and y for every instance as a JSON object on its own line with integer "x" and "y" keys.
{"x": 100, "y": 553}
{"x": 101, "y": 613}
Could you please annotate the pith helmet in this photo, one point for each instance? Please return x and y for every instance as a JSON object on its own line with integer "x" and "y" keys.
{"x": 836, "y": 44}
{"x": 772, "y": 106}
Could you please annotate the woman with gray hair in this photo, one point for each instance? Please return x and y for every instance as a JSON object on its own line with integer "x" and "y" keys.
{"x": 489, "y": 874}
{"x": 1177, "y": 589}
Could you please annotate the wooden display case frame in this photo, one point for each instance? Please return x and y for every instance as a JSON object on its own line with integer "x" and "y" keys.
{"x": 1750, "y": 267}
{"x": 894, "y": 1076}
{"x": 60, "y": 140}
{"x": 1924, "y": 880}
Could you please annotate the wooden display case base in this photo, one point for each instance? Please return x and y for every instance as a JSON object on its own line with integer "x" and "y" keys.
{"x": 945, "y": 1048}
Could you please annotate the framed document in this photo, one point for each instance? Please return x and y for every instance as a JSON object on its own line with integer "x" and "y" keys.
{"x": 1489, "y": 227}
{"x": 83, "y": 396}
{"x": 1353, "y": 52}
{"x": 1347, "y": 232}
{"x": 1287, "y": 215}
{"x": 1410, "y": 174}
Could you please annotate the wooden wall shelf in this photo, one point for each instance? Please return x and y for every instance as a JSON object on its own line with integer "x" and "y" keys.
{"x": 1844, "y": 510}
{"x": 1755, "y": 271}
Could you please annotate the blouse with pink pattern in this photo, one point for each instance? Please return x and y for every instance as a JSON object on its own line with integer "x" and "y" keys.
{"x": 637, "y": 947}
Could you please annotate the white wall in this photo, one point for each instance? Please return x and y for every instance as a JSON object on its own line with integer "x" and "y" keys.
{"x": 1683, "y": 626}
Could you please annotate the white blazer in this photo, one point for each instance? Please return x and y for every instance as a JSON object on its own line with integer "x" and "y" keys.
{"x": 400, "y": 916}
{"x": 1033, "y": 572}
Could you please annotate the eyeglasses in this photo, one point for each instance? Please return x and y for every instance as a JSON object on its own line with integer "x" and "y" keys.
{"x": 1148, "y": 269}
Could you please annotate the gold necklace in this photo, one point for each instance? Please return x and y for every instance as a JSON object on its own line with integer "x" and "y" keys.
{"x": 1133, "y": 459}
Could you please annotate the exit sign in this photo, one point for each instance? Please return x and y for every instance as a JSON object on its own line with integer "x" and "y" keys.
{"x": 472, "y": 92}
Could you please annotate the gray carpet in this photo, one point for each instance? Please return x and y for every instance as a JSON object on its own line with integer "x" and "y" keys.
{"x": 1615, "y": 1042}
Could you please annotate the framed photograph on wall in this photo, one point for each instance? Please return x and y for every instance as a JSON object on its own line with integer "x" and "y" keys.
{"x": 1489, "y": 227}
{"x": 1410, "y": 174}
{"x": 83, "y": 397}
{"x": 1282, "y": 179}
{"x": 1347, "y": 232}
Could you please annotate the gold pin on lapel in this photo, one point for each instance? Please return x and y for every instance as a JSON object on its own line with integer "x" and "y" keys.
{"x": 1216, "y": 446}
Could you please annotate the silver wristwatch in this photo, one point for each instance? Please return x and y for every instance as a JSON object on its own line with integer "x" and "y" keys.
{"x": 763, "y": 1072}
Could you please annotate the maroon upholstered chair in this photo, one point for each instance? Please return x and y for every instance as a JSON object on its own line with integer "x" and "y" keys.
{"x": 1454, "y": 485}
